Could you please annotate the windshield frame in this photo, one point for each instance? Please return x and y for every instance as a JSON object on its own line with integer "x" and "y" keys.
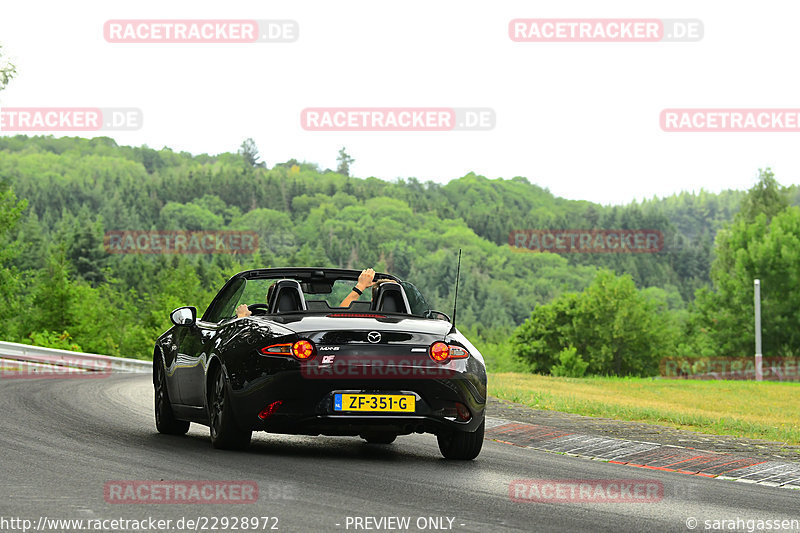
{"x": 236, "y": 286}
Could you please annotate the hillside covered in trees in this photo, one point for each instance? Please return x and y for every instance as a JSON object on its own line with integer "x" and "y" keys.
{"x": 59, "y": 196}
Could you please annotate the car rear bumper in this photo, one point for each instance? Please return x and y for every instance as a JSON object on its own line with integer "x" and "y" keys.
{"x": 363, "y": 425}
{"x": 307, "y": 406}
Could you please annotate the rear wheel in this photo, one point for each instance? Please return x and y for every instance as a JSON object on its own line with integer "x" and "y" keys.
{"x": 165, "y": 418}
{"x": 461, "y": 445}
{"x": 379, "y": 438}
{"x": 225, "y": 434}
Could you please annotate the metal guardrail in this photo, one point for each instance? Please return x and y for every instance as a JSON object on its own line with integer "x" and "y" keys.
{"x": 77, "y": 360}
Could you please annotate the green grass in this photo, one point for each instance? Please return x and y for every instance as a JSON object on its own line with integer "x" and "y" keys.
{"x": 765, "y": 410}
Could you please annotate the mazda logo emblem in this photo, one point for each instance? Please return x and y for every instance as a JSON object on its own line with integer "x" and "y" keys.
{"x": 373, "y": 337}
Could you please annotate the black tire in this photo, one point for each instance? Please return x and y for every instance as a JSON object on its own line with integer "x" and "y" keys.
{"x": 165, "y": 419}
{"x": 225, "y": 433}
{"x": 379, "y": 438}
{"x": 460, "y": 445}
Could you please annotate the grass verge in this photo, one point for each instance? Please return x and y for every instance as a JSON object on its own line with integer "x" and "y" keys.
{"x": 765, "y": 410}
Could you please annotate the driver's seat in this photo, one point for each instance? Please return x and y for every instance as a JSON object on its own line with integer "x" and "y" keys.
{"x": 287, "y": 297}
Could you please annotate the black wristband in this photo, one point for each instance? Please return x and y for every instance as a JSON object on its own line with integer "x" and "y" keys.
{"x": 357, "y": 290}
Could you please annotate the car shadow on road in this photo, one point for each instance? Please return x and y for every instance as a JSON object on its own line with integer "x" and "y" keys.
{"x": 301, "y": 446}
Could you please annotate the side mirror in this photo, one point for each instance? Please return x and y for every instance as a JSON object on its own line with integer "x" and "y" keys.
{"x": 184, "y": 316}
{"x": 438, "y": 315}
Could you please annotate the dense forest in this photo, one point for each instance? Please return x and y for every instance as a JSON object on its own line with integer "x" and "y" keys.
{"x": 576, "y": 313}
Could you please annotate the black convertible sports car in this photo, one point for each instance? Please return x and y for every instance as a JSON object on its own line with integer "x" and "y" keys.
{"x": 302, "y": 365}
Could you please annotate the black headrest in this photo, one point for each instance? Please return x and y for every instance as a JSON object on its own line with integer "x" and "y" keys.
{"x": 287, "y": 297}
{"x": 390, "y": 298}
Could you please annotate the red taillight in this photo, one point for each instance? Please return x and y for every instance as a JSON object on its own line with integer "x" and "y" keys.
{"x": 277, "y": 348}
{"x": 303, "y": 350}
{"x": 439, "y": 352}
{"x": 442, "y": 353}
{"x": 269, "y": 410}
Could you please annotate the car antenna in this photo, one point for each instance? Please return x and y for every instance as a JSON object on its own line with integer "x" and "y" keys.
{"x": 455, "y": 297}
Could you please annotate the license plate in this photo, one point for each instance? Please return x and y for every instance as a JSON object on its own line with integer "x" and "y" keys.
{"x": 381, "y": 403}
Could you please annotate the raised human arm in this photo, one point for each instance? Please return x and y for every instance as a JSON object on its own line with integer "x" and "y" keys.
{"x": 364, "y": 281}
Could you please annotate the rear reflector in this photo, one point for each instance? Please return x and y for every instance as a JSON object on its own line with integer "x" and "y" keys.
{"x": 463, "y": 412}
{"x": 269, "y": 410}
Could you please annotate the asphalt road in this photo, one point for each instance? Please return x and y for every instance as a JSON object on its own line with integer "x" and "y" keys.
{"x": 62, "y": 440}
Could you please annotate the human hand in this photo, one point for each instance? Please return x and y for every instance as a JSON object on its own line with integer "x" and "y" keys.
{"x": 365, "y": 279}
{"x": 243, "y": 311}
